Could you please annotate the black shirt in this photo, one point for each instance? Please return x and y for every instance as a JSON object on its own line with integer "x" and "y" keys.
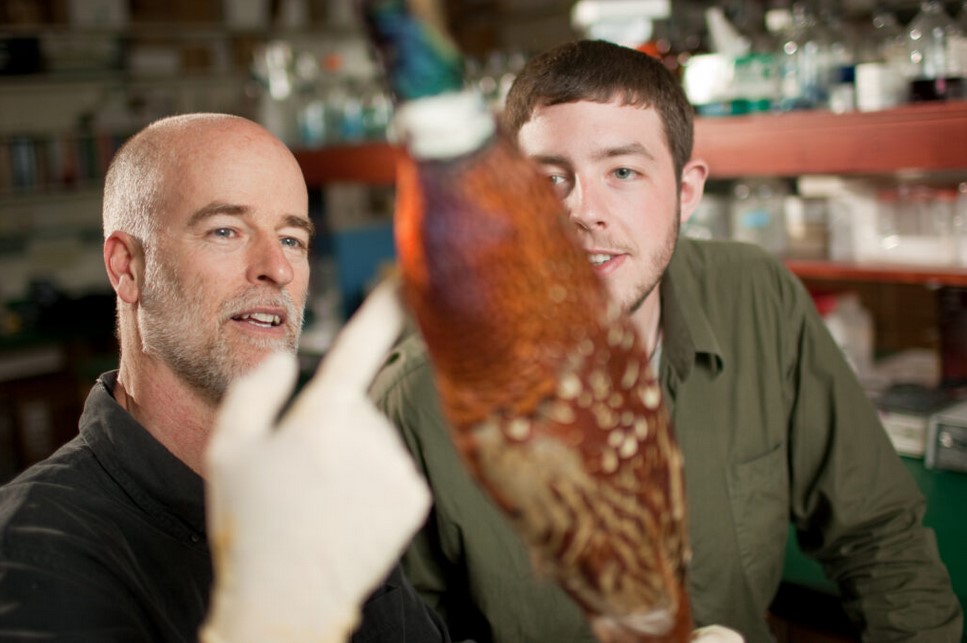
{"x": 105, "y": 541}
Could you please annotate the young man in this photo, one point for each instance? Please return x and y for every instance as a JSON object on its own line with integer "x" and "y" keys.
{"x": 773, "y": 425}
{"x": 206, "y": 245}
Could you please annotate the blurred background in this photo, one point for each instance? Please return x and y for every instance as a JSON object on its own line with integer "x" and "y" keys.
{"x": 77, "y": 77}
{"x": 836, "y": 133}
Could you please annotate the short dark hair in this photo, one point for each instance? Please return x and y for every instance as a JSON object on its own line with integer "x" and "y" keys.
{"x": 599, "y": 71}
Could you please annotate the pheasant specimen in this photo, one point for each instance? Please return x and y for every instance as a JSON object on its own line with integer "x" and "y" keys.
{"x": 543, "y": 380}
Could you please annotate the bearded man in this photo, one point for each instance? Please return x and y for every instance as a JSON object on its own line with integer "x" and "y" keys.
{"x": 207, "y": 233}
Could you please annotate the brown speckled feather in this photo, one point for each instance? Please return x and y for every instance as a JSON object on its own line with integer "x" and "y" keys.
{"x": 546, "y": 386}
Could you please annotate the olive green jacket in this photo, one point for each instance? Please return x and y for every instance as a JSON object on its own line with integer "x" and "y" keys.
{"x": 774, "y": 428}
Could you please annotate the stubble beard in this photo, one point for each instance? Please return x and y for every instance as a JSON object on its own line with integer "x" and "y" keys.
{"x": 175, "y": 329}
{"x": 658, "y": 263}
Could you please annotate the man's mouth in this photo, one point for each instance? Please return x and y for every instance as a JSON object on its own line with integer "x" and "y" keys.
{"x": 265, "y": 320}
{"x": 599, "y": 258}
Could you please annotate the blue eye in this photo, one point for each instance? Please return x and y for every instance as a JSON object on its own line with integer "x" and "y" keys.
{"x": 624, "y": 173}
{"x": 223, "y": 233}
{"x": 293, "y": 242}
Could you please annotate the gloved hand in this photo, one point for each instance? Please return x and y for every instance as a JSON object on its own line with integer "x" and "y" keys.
{"x": 308, "y": 513}
{"x": 716, "y": 634}
{"x": 610, "y": 631}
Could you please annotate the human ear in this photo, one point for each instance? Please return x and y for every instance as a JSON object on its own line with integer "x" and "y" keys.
{"x": 124, "y": 261}
{"x": 693, "y": 186}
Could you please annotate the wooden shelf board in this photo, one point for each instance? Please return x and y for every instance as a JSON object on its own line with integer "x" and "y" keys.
{"x": 924, "y": 137}
{"x": 894, "y": 273}
{"x": 919, "y": 137}
{"x": 370, "y": 163}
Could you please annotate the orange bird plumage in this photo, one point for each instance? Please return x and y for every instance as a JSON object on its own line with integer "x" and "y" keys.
{"x": 545, "y": 383}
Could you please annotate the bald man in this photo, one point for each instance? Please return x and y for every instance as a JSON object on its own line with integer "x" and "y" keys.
{"x": 207, "y": 233}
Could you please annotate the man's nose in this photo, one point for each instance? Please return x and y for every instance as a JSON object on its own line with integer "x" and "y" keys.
{"x": 585, "y": 205}
{"x": 268, "y": 262}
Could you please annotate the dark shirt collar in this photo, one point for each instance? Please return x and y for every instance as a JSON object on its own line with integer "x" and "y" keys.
{"x": 688, "y": 335}
{"x": 155, "y": 479}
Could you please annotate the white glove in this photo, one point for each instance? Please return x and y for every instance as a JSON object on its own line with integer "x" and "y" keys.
{"x": 307, "y": 514}
{"x": 610, "y": 631}
{"x": 716, "y": 634}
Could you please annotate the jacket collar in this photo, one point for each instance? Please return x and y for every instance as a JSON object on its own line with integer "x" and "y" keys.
{"x": 688, "y": 335}
{"x": 154, "y": 478}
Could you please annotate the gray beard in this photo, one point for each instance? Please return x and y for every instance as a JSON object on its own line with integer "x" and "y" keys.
{"x": 191, "y": 347}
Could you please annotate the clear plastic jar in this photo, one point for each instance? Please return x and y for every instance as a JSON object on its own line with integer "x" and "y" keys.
{"x": 757, "y": 213}
{"x": 959, "y": 225}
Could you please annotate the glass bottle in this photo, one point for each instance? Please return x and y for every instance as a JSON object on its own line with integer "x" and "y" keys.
{"x": 353, "y": 127}
{"x": 753, "y": 52}
{"x": 887, "y": 38}
{"x": 882, "y": 69}
{"x": 960, "y": 45}
{"x": 941, "y": 225}
{"x": 311, "y": 112}
{"x": 278, "y": 104}
{"x": 935, "y": 44}
{"x": 377, "y": 111}
{"x": 840, "y": 62}
{"x": 803, "y": 63}
{"x": 854, "y": 332}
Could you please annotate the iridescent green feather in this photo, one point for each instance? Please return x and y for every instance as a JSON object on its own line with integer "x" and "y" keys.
{"x": 419, "y": 61}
